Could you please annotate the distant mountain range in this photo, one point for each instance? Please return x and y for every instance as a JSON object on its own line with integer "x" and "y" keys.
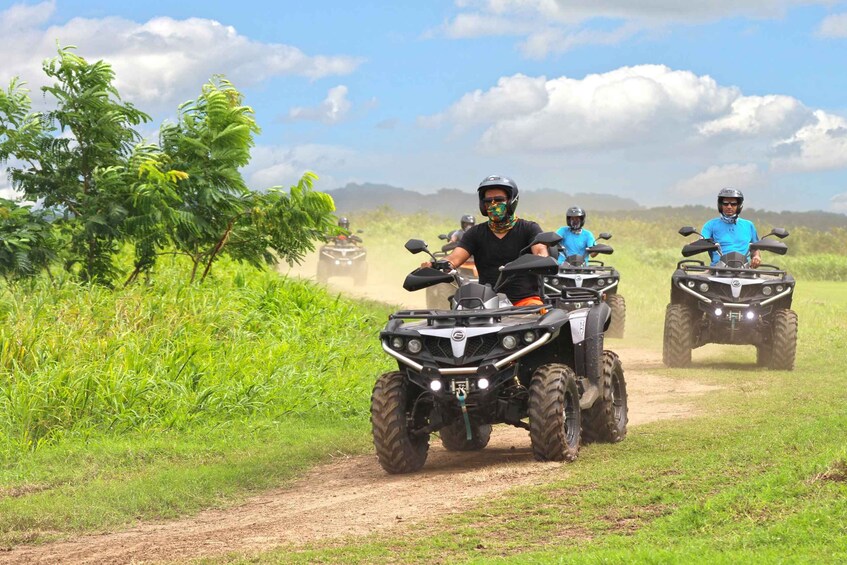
{"x": 451, "y": 201}
{"x": 545, "y": 203}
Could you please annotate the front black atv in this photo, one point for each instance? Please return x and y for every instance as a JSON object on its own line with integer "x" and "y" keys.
{"x": 731, "y": 303}
{"x": 486, "y": 362}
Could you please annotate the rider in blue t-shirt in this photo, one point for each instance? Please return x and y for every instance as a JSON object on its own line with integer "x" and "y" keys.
{"x": 729, "y": 230}
{"x": 575, "y": 239}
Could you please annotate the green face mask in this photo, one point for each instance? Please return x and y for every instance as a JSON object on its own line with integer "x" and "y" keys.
{"x": 497, "y": 211}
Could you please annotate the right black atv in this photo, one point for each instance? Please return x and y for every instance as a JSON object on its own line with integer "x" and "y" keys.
{"x": 485, "y": 362}
{"x": 575, "y": 273}
{"x": 731, "y": 303}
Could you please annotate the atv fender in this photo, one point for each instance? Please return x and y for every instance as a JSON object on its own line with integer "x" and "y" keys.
{"x": 587, "y": 334}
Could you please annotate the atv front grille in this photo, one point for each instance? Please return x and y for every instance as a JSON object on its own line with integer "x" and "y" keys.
{"x": 477, "y": 346}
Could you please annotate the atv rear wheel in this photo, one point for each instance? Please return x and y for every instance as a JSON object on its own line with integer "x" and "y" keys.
{"x": 606, "y": 420}
{"x": 454, "y": 436}
{"x": 396, "y": 449}
{"x": 679, "y": 336}
{"x": 618, "y": 305}
{"x": 784, "y": 340}
{"x": 554, "y": 415}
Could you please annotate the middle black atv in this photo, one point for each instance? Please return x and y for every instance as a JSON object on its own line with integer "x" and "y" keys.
{"x": 575, "y": 273}
{"x": 486, "y": 362}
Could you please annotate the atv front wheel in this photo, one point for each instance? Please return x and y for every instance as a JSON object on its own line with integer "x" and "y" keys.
{"x": 396, "y": 449}
{"x": 554, "y": 415}
{"x": 454, "y": 436}
{"x": 784, "y": 340}
{"x": 679, "y": 336}
{"x": 606, "y": 420}
{"x": 618, "y": 306}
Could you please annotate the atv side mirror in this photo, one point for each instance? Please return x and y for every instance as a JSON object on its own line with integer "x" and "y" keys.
{"x": 600, "y": 248}
{"x": 442, "y": 236}
{"x": 360, "y": 231}
{"x": 686, "y": 230}
{"x": 548, "y": 238}
{"x": 604, "y": 235}
{"x": 781, "y": 233}
{"x": 416, "y": 246}
{"x": 769, "y": 245}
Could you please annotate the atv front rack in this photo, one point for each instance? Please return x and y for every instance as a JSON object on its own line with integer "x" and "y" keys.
{"x": 689, "y": 265}
{"x": 431, "y": 315}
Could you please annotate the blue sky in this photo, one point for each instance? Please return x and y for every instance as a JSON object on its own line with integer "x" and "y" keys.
{"x": 662, "y": 101}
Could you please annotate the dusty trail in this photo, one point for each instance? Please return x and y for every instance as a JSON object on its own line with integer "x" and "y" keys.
{"x": 353, "y": 497}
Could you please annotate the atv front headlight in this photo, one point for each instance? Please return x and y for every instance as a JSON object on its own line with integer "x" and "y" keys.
{"x": 690, "y": 284}
{"x": 529, "y": 337}
{"x": 779, "y": 288}
{"x": 767, "y": 290}
{"x": 704, "y": 287}
{"x": 397, "y": 342}
{"x": 414, "y": 346}
{"x": 509, "y": 342}
{"x": 601, "y": 282}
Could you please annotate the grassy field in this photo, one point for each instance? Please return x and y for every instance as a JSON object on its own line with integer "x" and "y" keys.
{"x": 157, "y": 401}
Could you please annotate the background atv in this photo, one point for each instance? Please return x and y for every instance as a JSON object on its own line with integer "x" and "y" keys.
{"x": 575, "y": 273}
{"x": 731, "y": 303}
{"x": 438, "y": 296}
{"x": 486, "y": 362}
{"x": 343, "y": 256}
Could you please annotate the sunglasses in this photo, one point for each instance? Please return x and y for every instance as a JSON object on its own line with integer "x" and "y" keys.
{"x": 494, "y": 200}
{"x": 729, "y": 204}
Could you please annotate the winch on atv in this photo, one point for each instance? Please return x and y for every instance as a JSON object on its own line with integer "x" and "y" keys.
{"x": 486, "y": 362}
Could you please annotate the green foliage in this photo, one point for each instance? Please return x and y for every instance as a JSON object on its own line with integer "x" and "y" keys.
{"x": 76, "y": 175}
{"x": 88, "y": 360}
{"x": 26, "y": 241}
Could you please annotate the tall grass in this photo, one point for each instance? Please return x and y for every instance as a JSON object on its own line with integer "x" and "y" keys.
{"x": 78, "y": 360}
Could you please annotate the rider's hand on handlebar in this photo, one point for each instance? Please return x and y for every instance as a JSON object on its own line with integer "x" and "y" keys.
{"x": 755, "y": 262}
{"x": 440, "y": 264}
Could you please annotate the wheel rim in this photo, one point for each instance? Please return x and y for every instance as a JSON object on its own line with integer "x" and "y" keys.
{"x": 572, "y": 430}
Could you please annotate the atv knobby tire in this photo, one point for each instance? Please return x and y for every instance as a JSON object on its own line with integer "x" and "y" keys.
{"x": 618, "y": 306}
{"x": 784, "y": 340}
{"x": 396, "y": 450}
{"x": 679, "y": 336}
{"x": 606, "y": 420}
{"x": 454, "y": 437}
{"x": 554, "y": 415}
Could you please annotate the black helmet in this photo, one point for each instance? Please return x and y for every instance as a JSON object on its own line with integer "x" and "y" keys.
{"x": 467, "y": 221}
{"x": 730, "y": 193}
{"x": 344, "y": 223}
{"x": 575, "y": 212}
{"x": 507, "y": 184}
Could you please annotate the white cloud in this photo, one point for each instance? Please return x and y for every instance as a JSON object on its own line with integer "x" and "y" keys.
{"x": 708, "y": 182}
{"x": 820, "y": 145}
{"x": 839, "y": 203}
{"x": 772, "y": 115}
{"x": 160, "y": 62}
{"x": 332, "y": 110}
{"x": 555, "y": 26}
{"x": 833, "y": 26}
{"x": 283, "y": 166}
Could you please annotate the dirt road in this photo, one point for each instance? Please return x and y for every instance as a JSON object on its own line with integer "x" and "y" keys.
{"x": 352, "y": 496}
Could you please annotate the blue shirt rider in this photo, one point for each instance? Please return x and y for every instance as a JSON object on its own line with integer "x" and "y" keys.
{"x": 729, "y": 230}
{"x": 575, "y": 238}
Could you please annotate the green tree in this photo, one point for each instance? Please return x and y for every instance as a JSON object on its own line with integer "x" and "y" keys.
{"x": 75, "y": 158}
{"x": 26, "y": 241}
{"x": 219, "y": 214}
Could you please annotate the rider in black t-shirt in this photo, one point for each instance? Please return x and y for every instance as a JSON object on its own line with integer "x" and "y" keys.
{"x": 500, "y": 240}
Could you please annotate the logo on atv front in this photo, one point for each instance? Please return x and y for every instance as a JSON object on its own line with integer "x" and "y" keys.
{"x": 458, "y": 335}
{"x": 735, "y": 283}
